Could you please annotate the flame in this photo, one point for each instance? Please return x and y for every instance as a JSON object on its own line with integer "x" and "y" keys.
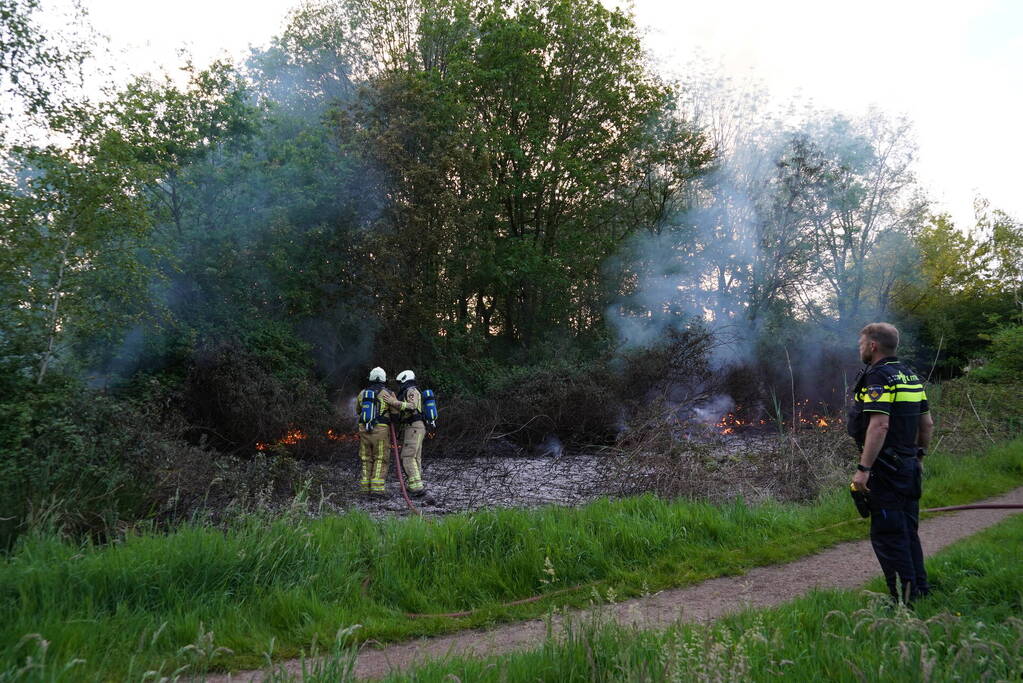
{"x": 335, "y": 436}
{"x": 293, "y": 436}
{"x": 730, "y": 422}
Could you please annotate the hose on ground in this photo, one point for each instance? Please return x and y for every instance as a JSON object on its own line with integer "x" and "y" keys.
{"x": 401, "y": 476}
{"x": 537, "y": 598}
{"x": 977, "y": 506}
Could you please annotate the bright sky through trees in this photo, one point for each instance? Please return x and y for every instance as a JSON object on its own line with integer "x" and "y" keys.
{"x": 955, "y": 68}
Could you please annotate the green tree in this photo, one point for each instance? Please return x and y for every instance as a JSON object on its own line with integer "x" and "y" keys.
{"x": 520, "y": 145}
{"x": 171, "y": 127}
{"x": 950, "y": 263}
{"x": 35, "y": 65}
{"x": 1006, "y": 242}
{"x": 950, "y": 296}
{"x": 72, "y": 225}
{"x": 859, "y": 190}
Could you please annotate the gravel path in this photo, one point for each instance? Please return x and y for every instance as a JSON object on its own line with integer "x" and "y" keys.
{"x": 847, "y": 565}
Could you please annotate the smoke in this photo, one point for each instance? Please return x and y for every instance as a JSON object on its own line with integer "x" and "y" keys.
{"x": 698, "y": 267}
{"x": 783, "y": 252}
{"x": 265, "y": 223}
{"x": 697, "y": 271}
{"x": 712, "y": 411}
{"x": 551, "y": 447}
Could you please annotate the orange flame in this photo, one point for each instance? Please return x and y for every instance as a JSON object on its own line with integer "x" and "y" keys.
{"x": 334, "y": 436}
{"x": 293, "y": 436}
{"x": 730, "y": 422}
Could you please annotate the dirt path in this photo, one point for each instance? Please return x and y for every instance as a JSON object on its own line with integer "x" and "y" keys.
{"x": 844, "y": 566}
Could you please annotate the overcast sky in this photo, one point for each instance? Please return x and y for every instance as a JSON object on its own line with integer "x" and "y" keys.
{"x": 954, "y": 68}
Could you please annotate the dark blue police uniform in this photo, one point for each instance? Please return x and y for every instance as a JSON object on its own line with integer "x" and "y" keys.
{"x": 892, "y": 388}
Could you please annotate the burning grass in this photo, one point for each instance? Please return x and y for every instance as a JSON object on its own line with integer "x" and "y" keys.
{"x": 295, "y": 436}
{"x": 717, "y": 453}
{"x": 734, "y": 456}
{"x": 757, "y": 454}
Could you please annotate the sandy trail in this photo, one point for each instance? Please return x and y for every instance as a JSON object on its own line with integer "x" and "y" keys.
{"x": 847, "y": 565}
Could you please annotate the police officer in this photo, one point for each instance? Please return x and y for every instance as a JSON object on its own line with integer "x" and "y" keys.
{"x": 413, "y": 432}
{"x": 375, "y": 437}
{"x": 892, "y": 427}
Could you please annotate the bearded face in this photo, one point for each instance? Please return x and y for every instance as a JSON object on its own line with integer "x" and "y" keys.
{"x": 866, "y": 348}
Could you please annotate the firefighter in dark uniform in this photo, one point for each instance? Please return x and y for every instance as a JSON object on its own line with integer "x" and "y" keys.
{"x": 892, "y": 427}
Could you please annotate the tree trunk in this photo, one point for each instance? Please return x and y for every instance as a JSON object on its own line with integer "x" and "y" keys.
{"x": 52, "y": 342}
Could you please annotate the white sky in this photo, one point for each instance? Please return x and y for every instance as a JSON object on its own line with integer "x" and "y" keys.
{"x": 954, "y": 68}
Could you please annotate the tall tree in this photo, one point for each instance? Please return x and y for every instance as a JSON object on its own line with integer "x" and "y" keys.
{"x": 72, "y": 225}
{"x": 36, "y": 66}
{"x": 950, "y": 298}
{"x": 1005, "y": 237}
{"x": 550, "y": 141}
{"x": 860, "y": 187}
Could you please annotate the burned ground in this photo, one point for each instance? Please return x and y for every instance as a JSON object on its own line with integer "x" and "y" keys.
{"x": 675, "y": 453}
{"x": 754, "y": 465}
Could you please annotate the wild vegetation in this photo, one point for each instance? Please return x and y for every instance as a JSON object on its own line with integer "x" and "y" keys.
{"x": 504, "y": 196}
{"x": 141, "y": 603}
{"x": 969, "y": 629}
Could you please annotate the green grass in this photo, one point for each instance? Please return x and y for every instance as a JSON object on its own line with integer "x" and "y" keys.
{"x": 162, "y": 601}
{"x": 970, "y": 629}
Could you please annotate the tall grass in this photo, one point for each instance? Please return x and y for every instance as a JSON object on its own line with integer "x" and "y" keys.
{"x": 204, "y": 597}
{"x": 970, "y": 629}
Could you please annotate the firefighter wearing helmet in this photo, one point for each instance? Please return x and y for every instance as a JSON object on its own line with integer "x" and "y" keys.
{"x": 376, "y": 407}
{"x": 413, "y": 432}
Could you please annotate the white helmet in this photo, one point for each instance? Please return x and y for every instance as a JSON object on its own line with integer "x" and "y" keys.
{"x": 406, "y": 376}
{"x": 377, "y": 375}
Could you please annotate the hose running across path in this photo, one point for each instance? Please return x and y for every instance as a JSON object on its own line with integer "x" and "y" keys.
{"x": 844, "y": 566}
{"x": 573, "y": 589}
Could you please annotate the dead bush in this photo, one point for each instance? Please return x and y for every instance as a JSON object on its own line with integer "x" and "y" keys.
{"x": 574, "y": 405}
{"x": 233, "y": 401}
{"x": 673, "y": 460}
{"x": 467, "y": 426}
{"x": 677, "y": 370}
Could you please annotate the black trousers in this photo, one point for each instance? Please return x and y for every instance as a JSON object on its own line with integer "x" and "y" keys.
{"x": 894, "y": 523}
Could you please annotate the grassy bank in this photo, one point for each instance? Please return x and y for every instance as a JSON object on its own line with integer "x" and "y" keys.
{"x": 161, "y": 601}
{"x": 969, "y": 629}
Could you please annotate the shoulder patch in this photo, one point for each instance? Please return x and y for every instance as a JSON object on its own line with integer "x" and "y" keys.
{"x": 874, "y": 392}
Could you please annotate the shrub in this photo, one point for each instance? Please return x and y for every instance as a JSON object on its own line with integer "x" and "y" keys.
{"x": 236, "y": 396}
{"x": 580, "y": 401}
{"x": 1006, "y": 357}
{"x": 73, "y": 459}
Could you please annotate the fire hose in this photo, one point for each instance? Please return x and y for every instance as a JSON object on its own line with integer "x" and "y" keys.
{"x": 978, "y": 506}
{"x": 401, "y": 476}
{"x": 862, "y": 502}
{"x": 541, "y": 596}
